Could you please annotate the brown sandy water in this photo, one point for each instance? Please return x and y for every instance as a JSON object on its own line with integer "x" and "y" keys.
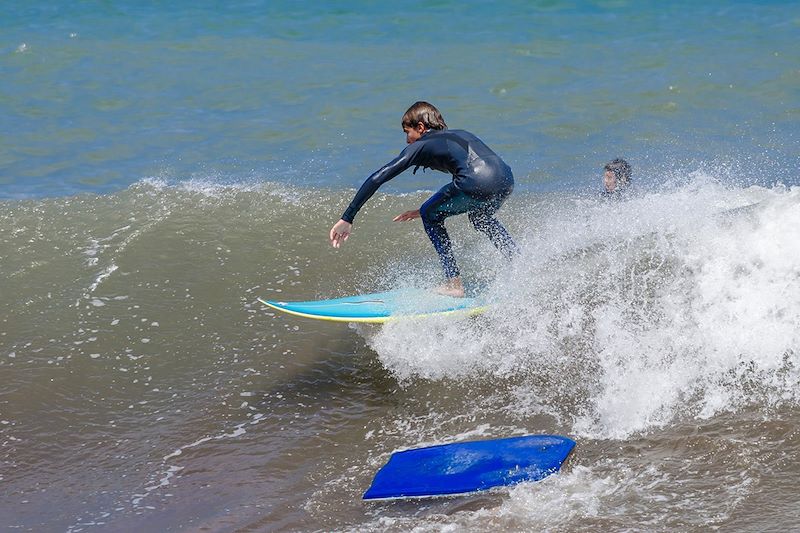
{"x": 144, "y": 388}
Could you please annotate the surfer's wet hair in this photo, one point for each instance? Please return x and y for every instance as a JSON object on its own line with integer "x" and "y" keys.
{"x": 426, "y": 113}
{"x": 621, "y": 169}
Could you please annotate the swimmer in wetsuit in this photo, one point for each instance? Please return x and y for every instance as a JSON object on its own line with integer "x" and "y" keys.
{"x": 616, "y": 178}
{"x": 481, "y": 183}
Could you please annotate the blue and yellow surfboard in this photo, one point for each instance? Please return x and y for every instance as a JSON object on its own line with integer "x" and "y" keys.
{"x": 380, "y": 307}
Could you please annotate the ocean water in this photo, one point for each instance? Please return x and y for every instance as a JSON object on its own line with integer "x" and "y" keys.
{"x": 162, "y": 165}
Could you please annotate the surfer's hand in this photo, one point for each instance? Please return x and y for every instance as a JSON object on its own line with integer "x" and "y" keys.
{"x": 340, "y": 232}
{"x": 408, "y": 215}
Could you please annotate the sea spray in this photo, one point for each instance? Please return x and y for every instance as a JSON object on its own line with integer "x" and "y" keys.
{"x": 672, "y": 303}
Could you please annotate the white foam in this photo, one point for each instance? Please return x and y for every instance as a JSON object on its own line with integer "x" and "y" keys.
{"x": 588, "y": 495}
{"x": 672, "y": 303}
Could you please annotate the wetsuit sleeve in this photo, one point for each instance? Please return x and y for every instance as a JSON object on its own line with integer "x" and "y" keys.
{"x": 381, "y": 176}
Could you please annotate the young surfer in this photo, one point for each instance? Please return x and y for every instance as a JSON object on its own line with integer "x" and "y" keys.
{"x": 481, "y": 183}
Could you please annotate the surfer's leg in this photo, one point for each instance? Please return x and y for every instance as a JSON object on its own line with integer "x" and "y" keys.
{"x": 484, "y": 221}
{"x": 433, "y": 212}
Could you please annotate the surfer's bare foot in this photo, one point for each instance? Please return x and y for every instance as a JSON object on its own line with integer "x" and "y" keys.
{"x": 451, "y": 287}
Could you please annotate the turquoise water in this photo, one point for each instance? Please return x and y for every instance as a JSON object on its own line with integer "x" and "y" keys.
{"x": 165, "y": 164}
{"x": 96, "y": 96}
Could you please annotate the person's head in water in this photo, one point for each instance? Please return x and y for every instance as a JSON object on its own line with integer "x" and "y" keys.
{"x": 617, "y": 175}
{"x": 420, "y": 118}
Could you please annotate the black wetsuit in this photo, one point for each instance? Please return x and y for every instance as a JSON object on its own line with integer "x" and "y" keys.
{"x": 481, "y": 183}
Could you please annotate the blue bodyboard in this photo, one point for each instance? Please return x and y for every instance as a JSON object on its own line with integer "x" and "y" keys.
{"x": 469, "y": 466}
{"x": 379, "y": 307}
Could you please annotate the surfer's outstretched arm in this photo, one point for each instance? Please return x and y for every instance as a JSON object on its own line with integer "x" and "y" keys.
{"x": 340, "y": 232}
